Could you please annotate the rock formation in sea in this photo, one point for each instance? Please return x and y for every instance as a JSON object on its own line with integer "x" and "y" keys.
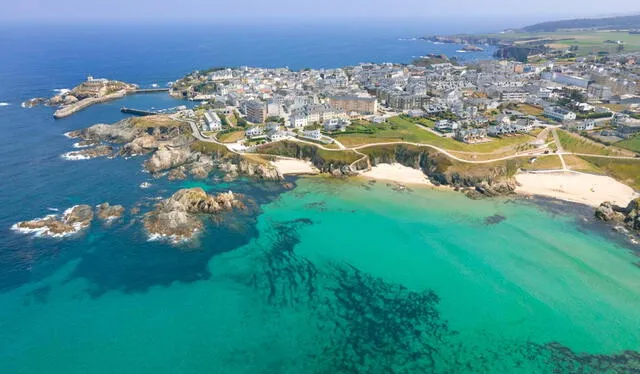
{"x": 71, "y": 221}
{"x": 108, "y": 212}
{"x": 89, "y": 153}
{"x": 179, "y": 217}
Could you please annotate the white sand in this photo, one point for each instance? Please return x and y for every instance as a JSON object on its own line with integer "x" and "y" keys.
{"x": 398, "y": 173}
{"x": 576, "y": 187}
{"x": 294, "y": 167}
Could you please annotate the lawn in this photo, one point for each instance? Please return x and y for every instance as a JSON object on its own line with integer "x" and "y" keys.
{"x": 158, "y": 120}
{"x": 632, "y": 144}
{"x": 577, "y": 163}
{"x": 530, "y": 110}
{"x": 547, "y": 162}
{"x": 579, "y": 144}
{"x": 626, "y": 171}
{"x": 209, "y": 148}
{"x": 587, "y": 41}
{"x": 231, "y": 136}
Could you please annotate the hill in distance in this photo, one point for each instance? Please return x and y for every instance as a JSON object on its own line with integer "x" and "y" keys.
{"x": 625, "y": 22}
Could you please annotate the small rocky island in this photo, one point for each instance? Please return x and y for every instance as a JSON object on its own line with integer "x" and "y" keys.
{"x": 179, "y": 217}
{"x": 90, "y": 92}
{"x": 70, "y": 222}
{"x": 472, "y": 48}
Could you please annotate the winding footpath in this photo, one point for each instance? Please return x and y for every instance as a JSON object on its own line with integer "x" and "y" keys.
{"x": 534, "y": 153}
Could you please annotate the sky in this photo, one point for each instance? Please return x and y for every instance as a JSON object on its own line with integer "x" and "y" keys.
{"x": 518, "y": 13}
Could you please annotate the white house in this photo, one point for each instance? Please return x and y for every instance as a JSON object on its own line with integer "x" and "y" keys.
{"x": 298, "y": 121}
{"x": 586, "y": 125}
{"x": 254, "y": 132}
{"x": 277, "y": 135}
{"x": 213, "y": 122}
{"x": 313, "y": 134}
{"x": 335, "y": 124}
{"x": 559, "y": 114}
{"x": 446, "y": 125}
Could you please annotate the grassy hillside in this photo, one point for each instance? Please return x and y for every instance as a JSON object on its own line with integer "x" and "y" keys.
{"x": 625, "y": 22}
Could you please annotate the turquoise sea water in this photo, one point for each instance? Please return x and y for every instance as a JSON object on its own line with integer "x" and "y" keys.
{"x": 332, "y": 276}
{"x": 348, "y": 277}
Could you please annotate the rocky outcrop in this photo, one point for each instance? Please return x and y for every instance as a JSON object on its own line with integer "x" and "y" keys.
{"x": 168, "y": 158}
{"x": 629, "y": 216}
{"x": 72, "y": 220}
{"x": 108, "y": 212}
{"x": 140, "y": 146}
{"x": 69, "y": 100}
{"x": 89, "y": 153}
{"x": 120, "y": 132}
{"x": 34, "y": 102}
{"x": 178, "y": 217}
{"x": 236, "y": 166}
{"x": 177, "y": 174}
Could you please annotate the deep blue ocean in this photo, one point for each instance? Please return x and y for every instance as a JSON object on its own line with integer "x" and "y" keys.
{"x": 329, "y": 277}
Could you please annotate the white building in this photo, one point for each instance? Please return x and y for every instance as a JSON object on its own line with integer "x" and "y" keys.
{"x": 566, "y": 80}
{"x": 559, "y": 114}
{"x": 335, "y": 124}
{"x": 313, "y": 134}
{"x": 212, "y": 120}
{"x": 297, "y": 121}
{"x": 446, "y": 125}
{"x": 254, "y": 132}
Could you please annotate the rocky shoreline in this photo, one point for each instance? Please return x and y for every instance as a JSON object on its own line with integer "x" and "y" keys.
{"x": 171, "y": 151}
{"x": 624, "y": 219}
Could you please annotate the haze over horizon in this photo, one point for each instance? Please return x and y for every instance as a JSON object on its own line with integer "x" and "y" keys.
{"x": 149, "y": 11}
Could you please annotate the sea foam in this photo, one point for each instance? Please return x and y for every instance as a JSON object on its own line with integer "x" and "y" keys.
{"x": 75, "y": 156}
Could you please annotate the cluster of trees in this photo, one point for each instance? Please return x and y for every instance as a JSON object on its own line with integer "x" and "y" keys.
{"x": 240, "y": 121}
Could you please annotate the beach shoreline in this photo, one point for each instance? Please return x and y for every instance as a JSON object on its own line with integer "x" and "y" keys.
{"x": 581, "y": 188}
{"x": 399, "y": 174}
{"x": 294, "y": 167}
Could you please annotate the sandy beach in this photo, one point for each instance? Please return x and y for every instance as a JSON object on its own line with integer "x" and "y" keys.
{"x": 294, "y": 167}
{"x": 576, "y": 187}
{"x": 397, "y": 173}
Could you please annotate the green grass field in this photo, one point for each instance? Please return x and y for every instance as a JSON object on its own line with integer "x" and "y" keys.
{"x": 626, "y": 171}
{"x": 632, "y": 144}
{"x": 588, "y": 41}
{"x": 579, "y": 144}
{"x": 401, "y": 129}
{"x": 231, "y": 137}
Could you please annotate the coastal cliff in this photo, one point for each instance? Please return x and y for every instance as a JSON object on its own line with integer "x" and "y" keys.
{"x": 475, "y": 180}
{"x": 336, "y": 163}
